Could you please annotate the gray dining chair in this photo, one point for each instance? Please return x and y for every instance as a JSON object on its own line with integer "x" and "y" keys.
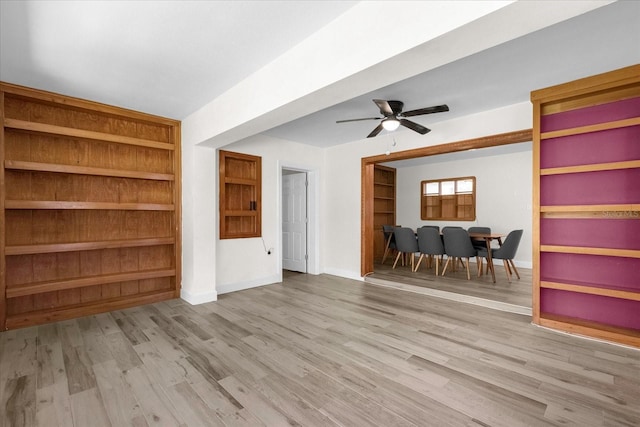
{"x": 406, "y": 243}
{"x": 506, "y": 252}
{"x": 389, "y": 239}
{"x": 457, "y": 244}
{"x": 430, "y": 244}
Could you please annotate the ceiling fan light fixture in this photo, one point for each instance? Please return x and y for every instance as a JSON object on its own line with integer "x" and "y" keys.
{"x": 390, "y": 123}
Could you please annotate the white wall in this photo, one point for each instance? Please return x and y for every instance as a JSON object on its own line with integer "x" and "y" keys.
{"x": 503, "y": 191}
{"x": 244, "y": 263}
{"x": 218, "y": 266}
{"x": 341, "y": 227}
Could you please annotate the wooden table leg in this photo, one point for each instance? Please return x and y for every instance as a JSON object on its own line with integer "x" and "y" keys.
{"x": 490, "y": 259}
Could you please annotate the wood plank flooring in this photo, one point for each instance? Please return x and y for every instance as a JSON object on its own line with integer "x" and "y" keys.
{"x": 518, "y": 292}
{"x": 313, "y": 351}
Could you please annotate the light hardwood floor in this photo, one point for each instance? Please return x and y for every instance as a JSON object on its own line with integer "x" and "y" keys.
{"x": 518, "y": 292}
{"x": 313, "y": 351}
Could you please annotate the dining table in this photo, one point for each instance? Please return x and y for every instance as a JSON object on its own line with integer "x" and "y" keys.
{"x": 488, "y": 238}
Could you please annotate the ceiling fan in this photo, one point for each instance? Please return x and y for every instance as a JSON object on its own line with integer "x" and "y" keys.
{"x": 394, "y": 117}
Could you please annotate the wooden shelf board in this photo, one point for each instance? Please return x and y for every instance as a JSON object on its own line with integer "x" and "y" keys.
{"x": 587, "y": 328}
{"x": 240, "y": 181}
{"x": 85, "y": 170}
{"x": 592, "y": 290}
{"x": 84, "y": 309}
{"x": 52, "y": 204}
{"x": 86, "y": 246}
{"x": 592, "y": 215}
{"x": 58, "y": 285}
{"x": 628, "y": 253}
{"x": 596, "y": 167}
{"x": 240, "y": 213}
{"x": 91, "y": 107}
{"x": 385, "y": 184}
{"x": 591, "y": 208}
{"x": 83, "y": 134}
{"x": 591, "y": 128}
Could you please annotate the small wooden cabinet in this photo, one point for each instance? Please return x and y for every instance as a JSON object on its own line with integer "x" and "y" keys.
{"x": 586, "y": 276}
{"x": 90, "y": 207}
{"x": 240, "y": 195}
{"x": 384, "y": 206}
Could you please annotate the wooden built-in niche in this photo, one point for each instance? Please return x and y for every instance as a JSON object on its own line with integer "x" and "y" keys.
{"x": 90, "y": 207}
{"x": 384, "y": 206}
{"x": 586, "y": 276}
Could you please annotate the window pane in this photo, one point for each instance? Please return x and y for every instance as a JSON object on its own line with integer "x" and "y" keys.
{"x": 465, "y": 186}
{"x": 448, "y": 187}
{"x": 451, "y": 199}
{"x": 431, "y": 188}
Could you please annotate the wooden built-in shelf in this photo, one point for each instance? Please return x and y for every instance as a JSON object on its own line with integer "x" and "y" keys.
{"x": 591, "y": 128}
{"x": 87, "y": 246}
{"x": 53, "y": 204}
{"x": 91, "y": 218}
{"x": 384, "y": 198}
{"x": 591, "y": 329}
{"x": 59, "y": 285}
{"x": 591, "y": 289}
{"x": 596, "y": 167}
{"x": 84, "y": 134}
{"x": 85, "y": 170}
{"x": 385, "y": 184}
{"x": 585, "y": 133}
{"x": 628, "y": 253}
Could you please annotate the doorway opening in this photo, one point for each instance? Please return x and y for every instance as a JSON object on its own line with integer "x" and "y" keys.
{"x": 367, "y": 180}
{"x": 295, "y": 220}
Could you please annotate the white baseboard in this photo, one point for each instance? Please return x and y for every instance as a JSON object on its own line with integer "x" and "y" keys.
{"x": 347, "y": 274}
{"x": 201, "y": 298}
{"x": 523, "y": 264}
{"x": 239, "y": 286}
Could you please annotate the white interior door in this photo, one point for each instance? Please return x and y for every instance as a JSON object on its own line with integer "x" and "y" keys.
{"x": 294, "y": 221}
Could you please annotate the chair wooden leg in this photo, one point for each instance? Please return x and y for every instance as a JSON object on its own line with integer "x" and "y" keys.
{"x": 507, "y": 270}
{"x": 467, "y": 265}
{"x": 446, "y": 264}
{"x": 419, "y": 261}
{"x": 437, "y": 263}
{"x": 514, "y": 268}
{"x": 479, "y": 263}
{"x": 397, "y": 258}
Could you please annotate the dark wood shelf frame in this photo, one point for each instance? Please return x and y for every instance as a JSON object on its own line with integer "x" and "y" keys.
{"x": 92, "y": 220}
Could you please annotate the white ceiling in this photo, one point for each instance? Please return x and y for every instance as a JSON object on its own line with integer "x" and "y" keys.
{"x": 593, "y": 43}
{"x": 167, "y": 58}
{"x": 171, "y": 58}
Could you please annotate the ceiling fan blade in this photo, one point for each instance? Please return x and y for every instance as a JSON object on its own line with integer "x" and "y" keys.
{"x": 384, "y": 107}
{"x": 357, "y": 120}
{"x": 428, "y": 110}
{"x": 376, "y": 131}
{"x": 414, "y": 126}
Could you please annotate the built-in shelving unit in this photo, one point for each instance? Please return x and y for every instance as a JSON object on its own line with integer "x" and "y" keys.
{"x": 384, "y": 206}
{"x": 240, "y": 195}
{"x": 587, "y": 206}
{"x": 90, "y": 207}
